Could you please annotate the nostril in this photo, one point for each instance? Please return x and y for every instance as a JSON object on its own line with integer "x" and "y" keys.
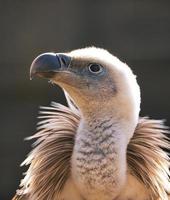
{"x": 64, "y": 60}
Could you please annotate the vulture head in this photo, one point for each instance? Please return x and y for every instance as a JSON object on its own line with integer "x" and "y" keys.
{"x": 95, "y": 81}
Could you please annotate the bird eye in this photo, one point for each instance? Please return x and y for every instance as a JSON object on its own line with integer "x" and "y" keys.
{"x": 95, "y": 68}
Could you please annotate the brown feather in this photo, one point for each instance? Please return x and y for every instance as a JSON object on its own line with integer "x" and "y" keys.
{"x": 50, "y": 159}
{"x": 148, "y": 159}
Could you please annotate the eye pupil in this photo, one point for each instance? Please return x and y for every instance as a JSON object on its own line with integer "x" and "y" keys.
{"x": 95, "y": 68}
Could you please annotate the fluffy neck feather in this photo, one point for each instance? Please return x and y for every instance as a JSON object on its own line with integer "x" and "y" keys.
{"x": 147, "y": 161}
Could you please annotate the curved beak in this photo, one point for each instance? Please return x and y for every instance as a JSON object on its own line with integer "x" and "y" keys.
{"x": 48, "y": 64}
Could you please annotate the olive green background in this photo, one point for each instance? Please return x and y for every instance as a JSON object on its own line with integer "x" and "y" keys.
{"x": 137, "y": 31}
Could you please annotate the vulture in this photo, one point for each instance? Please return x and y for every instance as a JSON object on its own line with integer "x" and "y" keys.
{"x": 97, "y": 147}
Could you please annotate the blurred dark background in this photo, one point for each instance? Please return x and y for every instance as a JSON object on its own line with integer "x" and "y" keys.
{"x": 137, "y": 31}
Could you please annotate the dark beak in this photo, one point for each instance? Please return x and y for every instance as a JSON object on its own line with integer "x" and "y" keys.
{"x": 48, "y": 64}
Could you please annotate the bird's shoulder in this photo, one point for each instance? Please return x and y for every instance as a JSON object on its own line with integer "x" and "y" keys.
{"x": 147, "y": 158}
{"x": 49, "y": 161}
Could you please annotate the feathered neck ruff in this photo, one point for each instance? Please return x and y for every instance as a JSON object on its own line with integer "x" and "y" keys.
{"x": 50, "y": 159}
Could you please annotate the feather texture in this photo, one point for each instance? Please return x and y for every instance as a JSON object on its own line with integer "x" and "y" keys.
{"x": 147, "y": 159}
{"x": 50, "y": 159}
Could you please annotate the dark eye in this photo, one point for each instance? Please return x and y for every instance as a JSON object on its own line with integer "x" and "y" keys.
{"x": 95, "y": 68}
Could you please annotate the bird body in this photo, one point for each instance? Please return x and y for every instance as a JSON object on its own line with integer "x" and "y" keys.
{"x": 99, "y": 148}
